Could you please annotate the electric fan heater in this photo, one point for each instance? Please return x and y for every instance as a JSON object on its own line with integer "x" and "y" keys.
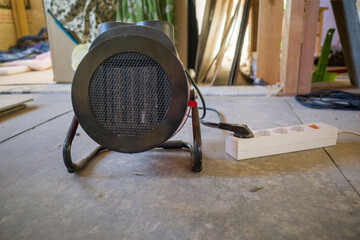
{"x": 131, "y": 93}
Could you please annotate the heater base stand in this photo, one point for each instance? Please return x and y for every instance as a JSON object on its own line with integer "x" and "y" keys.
{"x": 195, "y": 149}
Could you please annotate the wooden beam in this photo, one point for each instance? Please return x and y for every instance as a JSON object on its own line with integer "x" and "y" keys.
{"x": 319, "y": 31}
{"x": 269, "y": 39}
{"x": 15, "y": 19}
{"x": 308, "y": 46}
{"x": 182, "y": 30}
{"x": 20, "y": 18}
{"x": 292, "y": 42}
{"x": 213, "y": 37}
{"x": 254, "y": 23}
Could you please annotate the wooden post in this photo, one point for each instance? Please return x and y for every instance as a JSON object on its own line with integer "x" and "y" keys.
{"x": 269, "y": 39}
{"x": 182, "y": 30}
{"x": 212, "y": 39}
{"x": 308, "y": 46}
{"x": 20, "y": 19}
{"x": 254, "y": 23}
{"x": 292, "y": 42}
{"x": 319, "y": 31}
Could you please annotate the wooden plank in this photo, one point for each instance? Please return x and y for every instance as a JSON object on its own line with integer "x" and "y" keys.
{"x": 254, "y": 23}
{"x": 204, "y": 34}
{"x": 230, "y": 9}
{"x": 319, "y": 31}
{"x": 235, "y": 66}
{"x": 20, "y": 18}
{"x": 15, "y": 19}
{"x": 291, "y": 42}
{"x": 269, "y": 39}
{"x": 181, "y": 18}
{"x": 217, "y": 23}
{"x": 213, "y": 71}
{"x": 225, "y": 42}
{"x": 7, "y": 104}
{"x": 308, "y": 46}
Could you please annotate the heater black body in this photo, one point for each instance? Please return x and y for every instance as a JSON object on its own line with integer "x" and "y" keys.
{"x": 130, "y": 93}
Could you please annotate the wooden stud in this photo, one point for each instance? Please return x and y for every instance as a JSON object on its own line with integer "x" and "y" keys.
{"x": 182, "y": 30}
{"x": 213, "y": 72}
{"x": 225, "y": 41}
{"x": 293, "y": 34}
{"x": 15, "y": 19}
{"x": 308, "y": 46}
{"x": 254, "y": 22}
{"x": 269, "y": 39}
{"x": 213, "y": 37}
{"x": 319, "y": 31}
{"x": 204, "y": 34}
{"x": 20, "y": 18}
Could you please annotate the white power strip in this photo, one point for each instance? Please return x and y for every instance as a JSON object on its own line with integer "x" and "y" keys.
{"x": 281, "y": 140}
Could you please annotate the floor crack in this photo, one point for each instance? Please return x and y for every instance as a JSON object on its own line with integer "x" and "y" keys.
{"x": 353, "y": 187}
{"x": 327, "y": 153}
{"x": 35, "y": 126}
{"x": 292, "y": 109}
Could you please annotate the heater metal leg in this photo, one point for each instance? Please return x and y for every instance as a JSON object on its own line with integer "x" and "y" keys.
{"x": 195, "y": 149}
{"x": 70, "y": 165}
{"x": 197, "y": 165}
{"x": 174, "y": 144}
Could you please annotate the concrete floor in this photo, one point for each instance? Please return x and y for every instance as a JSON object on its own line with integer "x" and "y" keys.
{"x": 311, "y": 194}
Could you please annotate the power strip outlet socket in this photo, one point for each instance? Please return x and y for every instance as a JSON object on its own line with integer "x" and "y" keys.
{"x": 281, "y": 140}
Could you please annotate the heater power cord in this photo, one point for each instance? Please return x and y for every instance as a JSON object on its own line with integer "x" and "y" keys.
{"x": 239, "y": 130}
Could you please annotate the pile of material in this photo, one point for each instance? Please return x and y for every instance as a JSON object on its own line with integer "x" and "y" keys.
{"x": 29, "y": 53}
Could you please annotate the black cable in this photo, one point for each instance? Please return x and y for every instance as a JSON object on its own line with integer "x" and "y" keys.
{"x": 214, "y": 110}
{"x": 204, "y": 108}
{"x": 211, "y": 124}
{"x": 240, "y": 130}
{"x": 328, "y": 98}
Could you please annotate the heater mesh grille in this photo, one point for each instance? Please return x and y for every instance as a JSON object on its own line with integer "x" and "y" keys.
{"x": 129, "y": 94}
